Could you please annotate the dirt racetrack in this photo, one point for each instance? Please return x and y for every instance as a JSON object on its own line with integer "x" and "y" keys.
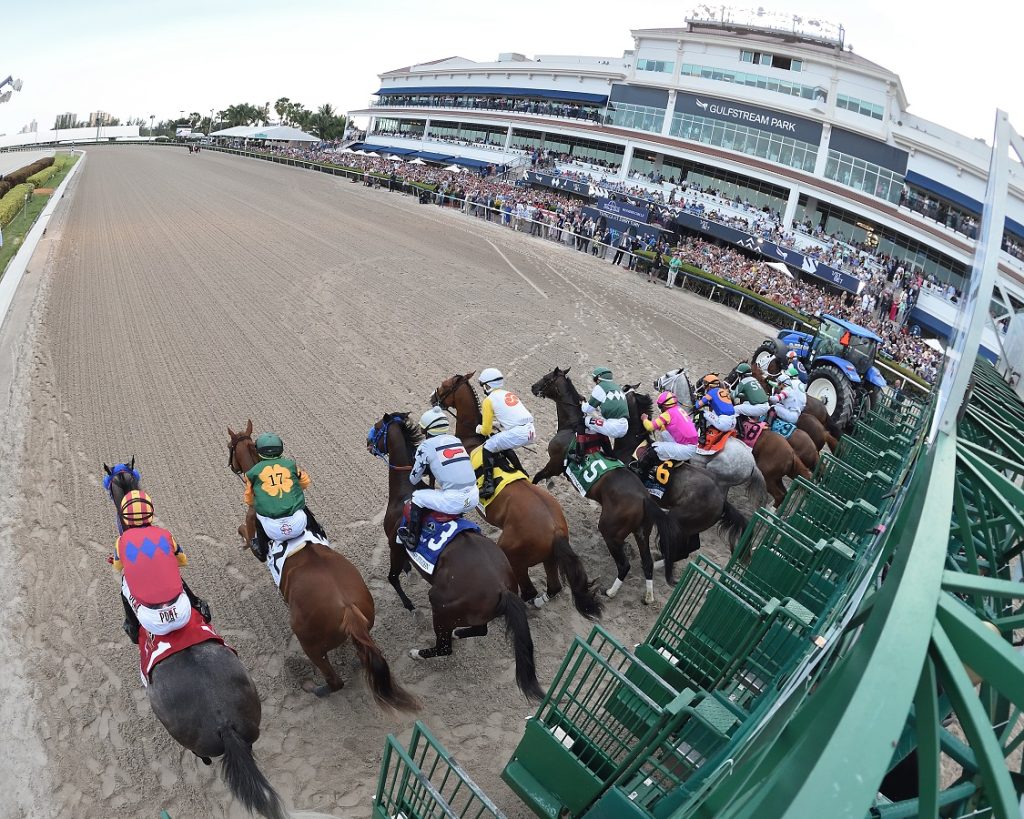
{"x": 176, "y": 295}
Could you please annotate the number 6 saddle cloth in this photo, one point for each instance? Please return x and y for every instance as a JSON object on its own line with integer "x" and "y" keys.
{"x": 595, "y": 465}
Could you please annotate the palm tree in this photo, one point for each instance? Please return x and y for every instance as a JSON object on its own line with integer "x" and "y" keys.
{"x": 283, "y": 106}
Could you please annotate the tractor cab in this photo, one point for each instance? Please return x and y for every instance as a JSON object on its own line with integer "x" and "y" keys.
{"x": 847, "y": 341}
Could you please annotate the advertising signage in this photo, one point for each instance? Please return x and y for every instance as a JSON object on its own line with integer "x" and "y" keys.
{"x": 558, "y": 183}
{"x": 625, "y": 210}
{"x": 792, "y": 258}
{"x": 764, "y": 119}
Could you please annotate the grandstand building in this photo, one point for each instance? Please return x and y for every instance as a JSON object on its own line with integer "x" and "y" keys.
{"x": 777, "y": 112}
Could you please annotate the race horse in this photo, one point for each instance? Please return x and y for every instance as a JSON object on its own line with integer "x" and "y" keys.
{"x": 205, "y": 698}
{"x": 776, "y": 457}
{"x": 533, "y": 526}
{"x": 327, "y": 599}
{"x": 815, "y": 420}
{"x": 694, "y": 499}
{"x": 472, "y": 582}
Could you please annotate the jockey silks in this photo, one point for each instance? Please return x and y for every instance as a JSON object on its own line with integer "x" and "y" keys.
{"x": 608, "y": 397}
{"x": 276, "y": 485}
{"x": 750, "y": 391}
{"x": 502, "y": 410}
{"x": 149, "y": 558}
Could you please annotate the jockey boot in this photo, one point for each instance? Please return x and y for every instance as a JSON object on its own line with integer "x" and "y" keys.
{"x": 644, "y": 466}
{"x": 131, "y": 623}
{"x": 606, "y": 447}
{"x": 409, "y": 535}
{"x": 487, "y": 488}
{"x": 261, "y": 543}
{"x": 197, "y": 602}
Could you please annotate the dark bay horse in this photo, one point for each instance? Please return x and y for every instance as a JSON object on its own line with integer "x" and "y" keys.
{"x": 533, "y": 526}
{"x": 207, "y": 701}
{"x": 328, "y": 602}
{"x": 472, "y": 583}
{"x": 694, "y": 498}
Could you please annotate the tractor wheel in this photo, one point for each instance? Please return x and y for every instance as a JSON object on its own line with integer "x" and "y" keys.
{"x": 831, "y": 387}
{"x": 765, "y": 355}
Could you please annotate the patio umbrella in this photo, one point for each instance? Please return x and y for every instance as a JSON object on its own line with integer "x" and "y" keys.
{"x": 454, "y": 168}
{"x": 371, "y": 153}
{"x": 360, "y": 153}
{"x": 395, "y": 159}
{"x": 417, "y": 161}
{"x": 935, "y": 345}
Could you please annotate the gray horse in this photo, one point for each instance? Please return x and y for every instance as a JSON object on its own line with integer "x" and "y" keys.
{"x": 734, "y": 465}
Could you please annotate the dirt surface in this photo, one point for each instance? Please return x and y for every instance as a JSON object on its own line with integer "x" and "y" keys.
{"x": 182, "y": 294}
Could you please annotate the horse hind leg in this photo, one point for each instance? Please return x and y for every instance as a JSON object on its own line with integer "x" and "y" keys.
{"x": 319, "y": 659}
{"x": 643, "y": 544}
{"x": 442, "y": 644}
{"x": 554, "y": 582}
{"x": 527, "y": 590}
{"x": 617, "y": 549}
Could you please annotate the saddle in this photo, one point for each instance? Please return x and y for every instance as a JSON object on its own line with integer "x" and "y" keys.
{"x": 784, "y": 428}
{"x": 714, "y": 441}
{"x": 437, "y": 531}
{"x": 588, "y": 443}
{"x": 749, "y": 430}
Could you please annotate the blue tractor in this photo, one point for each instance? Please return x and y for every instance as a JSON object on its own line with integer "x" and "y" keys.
{"x": 839, "y": 363}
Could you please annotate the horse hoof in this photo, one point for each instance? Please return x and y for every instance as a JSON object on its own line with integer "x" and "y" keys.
{"x": 415, "y": 654}
{"x": 539, "y": 601}
{"x": 648, "y": 598}
{"x": 322, "y": 691}
{"x": 614, "y": 590}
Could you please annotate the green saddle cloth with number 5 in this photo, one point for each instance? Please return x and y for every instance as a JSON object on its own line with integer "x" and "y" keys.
{"x": 594, "y": 467}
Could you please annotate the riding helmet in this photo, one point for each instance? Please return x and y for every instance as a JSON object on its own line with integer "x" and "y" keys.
{"x": 269, "y": 445}
{"x": 434, "y": 422}
{"x": 743, "y": 369}
{"x": 491, "y": 379}
{"x": 602, "y": 373}
{"x": 136, "y": 508}
{"x": 666, "y": 400}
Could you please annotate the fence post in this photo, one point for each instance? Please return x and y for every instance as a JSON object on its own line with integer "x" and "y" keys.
{"x": 711, "y": 295}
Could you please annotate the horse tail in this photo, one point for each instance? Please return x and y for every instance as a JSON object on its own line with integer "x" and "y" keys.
{"x": 244, "y": 778}
{"x": 517, "y": 628}
{"x": 669, "y": 533}
{"x": 571, "y": 568}
{"x": 798, "y": 469}
{"x": 386, "y": 692}
{"x": 832, "y": 433}
{"x": 731, "y": 524}
{"x": 757, "y": 488}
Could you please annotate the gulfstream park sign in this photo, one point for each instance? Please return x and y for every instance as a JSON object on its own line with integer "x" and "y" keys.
{"x": 748, "y": 116}
{"x": 761, "y": 118}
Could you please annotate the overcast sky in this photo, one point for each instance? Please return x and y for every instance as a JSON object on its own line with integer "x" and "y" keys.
{"x": 133, "y": 59}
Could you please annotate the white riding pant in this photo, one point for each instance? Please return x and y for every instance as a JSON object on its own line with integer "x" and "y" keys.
{"x": 286, "y": 528}
{"x": 511, "y": 438}
{"x": 448, "y": 501}
{"x": 672, "y": 451}
{"x": 723, "y": 423}
{"x": 611, "y": 427}
{"x": 787, "y": 414}
{"x": 753, "y": 410}
{"x": 161, "y": 620}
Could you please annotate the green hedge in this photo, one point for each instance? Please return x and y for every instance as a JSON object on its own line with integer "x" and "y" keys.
{"x": 22, "y": 174}
{"x": 40, "y": 178}
{"x": 13, "y": 201}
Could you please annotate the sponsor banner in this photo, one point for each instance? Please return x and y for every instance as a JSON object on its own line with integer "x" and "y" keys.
{"x": 793, "y": 258}
{"x": 621, "y": 226}
{"x": 754, "y": 116}
{"x": 625, "y": 210}
{"x": 559, "y": 183}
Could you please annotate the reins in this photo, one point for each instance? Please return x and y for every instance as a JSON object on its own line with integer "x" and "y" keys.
{"x": 375, "y": 437}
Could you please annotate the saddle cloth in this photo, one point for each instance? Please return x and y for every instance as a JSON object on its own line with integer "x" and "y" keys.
{"x": 502, "y": 477}
{"x": 784, "y": 428}
{"x": 750, "y": 431}
{"x": 438, "y": 531}
{"x": 714, "y": 441}
{"x": 155, "y": 648}
{"x": 281, "y": 550}
{"x": 594, "y": 467}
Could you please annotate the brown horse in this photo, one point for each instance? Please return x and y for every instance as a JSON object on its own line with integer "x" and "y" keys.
{"x": 533, "y": 526}
{"x": 815, "y": 419}
{"x": 694, "y": 498}
{"x": 472, "y": 582}
{"x": 327, "y": 599}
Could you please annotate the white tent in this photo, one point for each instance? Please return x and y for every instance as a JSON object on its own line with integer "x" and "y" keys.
{"x": 454, "y": 168}
{"x": 395, "y": 159}
{"x": 360, "y": 153}
{"x": 417, "y": 161}
{"x": 371, "y": 153}
{"x": 935, "y": 345}
{"x": 780, "y": 267}
{"x": 277, "y": 133}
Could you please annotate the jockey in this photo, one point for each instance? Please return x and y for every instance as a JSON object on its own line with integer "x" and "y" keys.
{"x": 674, "y": 433}
{"x": 608, "y": 397}
{"x": 748, "y": 395}
{"x": 718, "y": 411}
{"x": 789, "y": 400}
{"x": 149, "y": 559}
{"x": 506, "y": 423}
{"x": 274, "y": 487}
{"x": 443, "y": 457}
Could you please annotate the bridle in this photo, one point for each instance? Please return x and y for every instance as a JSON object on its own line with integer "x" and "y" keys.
{"x": 560, "y": 397}
{"x": 235, "y": 441}
{"x": 373, "y": 444}
{"x": 438, "y": 399}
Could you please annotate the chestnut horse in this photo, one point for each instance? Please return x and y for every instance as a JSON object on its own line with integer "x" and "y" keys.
{"x": 815, "y": 419}
{"x": 472, "y": 582}
{"x": 694, "y": 499}
{"x": 533, "y": 527}
{"x": 327, "y": 599}
{"x": 205, "y": 698}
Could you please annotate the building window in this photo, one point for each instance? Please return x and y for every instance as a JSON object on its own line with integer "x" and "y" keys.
{"x": 661, "y": 66}
{"x": 771, "y": 60}
{"x": 640, "y": 117}
{"x": 866, "y": 109}
{"x": 782, "y": 150}
{"x": 790, "y": 89}
{"x": 864, "y": 176}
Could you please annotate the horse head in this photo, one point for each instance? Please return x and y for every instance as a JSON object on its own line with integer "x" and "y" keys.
{"x": 242, "y": 453}
{"x": 444, "y": 396}
{"x": 385, "y": 437}
{"x": 678, "y": 383}
{"x": 550, "y": 385}
{"x": 120, "y": 480}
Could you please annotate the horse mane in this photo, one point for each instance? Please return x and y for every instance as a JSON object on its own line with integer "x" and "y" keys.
{"x": 410, "y": 429}
{"x": 573, "y": 392}
{"x": 476, "y": 398}
{"x": 644, "y": 403}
